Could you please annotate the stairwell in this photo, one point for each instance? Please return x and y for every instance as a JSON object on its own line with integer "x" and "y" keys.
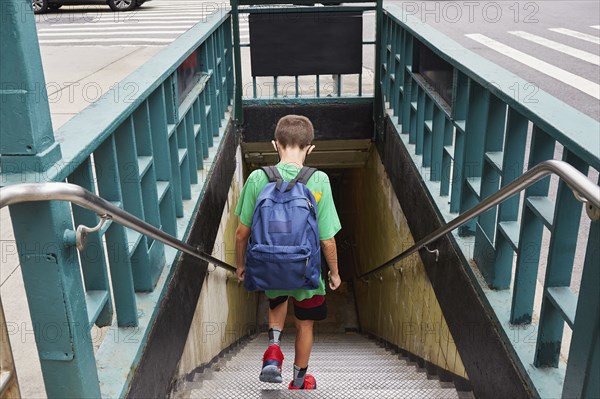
{"x": 345, "y": 365}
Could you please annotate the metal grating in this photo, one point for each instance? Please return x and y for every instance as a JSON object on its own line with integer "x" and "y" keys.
{"x": 344, "y": 365}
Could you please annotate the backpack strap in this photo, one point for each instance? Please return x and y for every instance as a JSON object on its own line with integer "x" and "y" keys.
{"x": 273, "y": 175}
{"x": 303, "y": 176}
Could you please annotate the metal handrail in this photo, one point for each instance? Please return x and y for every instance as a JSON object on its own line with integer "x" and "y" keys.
{"x": 35, "y": 192}
{"x": 583, "y": 189}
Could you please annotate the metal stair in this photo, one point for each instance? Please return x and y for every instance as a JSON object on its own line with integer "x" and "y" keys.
{"x": 346, "y": 365}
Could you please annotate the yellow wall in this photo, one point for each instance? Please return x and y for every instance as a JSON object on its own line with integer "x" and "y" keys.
{"x": 398, "y": 306}
{"x": 225, "y": 311}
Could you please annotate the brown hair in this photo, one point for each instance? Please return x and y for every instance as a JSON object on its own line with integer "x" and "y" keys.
{"x": 294, "y": 131}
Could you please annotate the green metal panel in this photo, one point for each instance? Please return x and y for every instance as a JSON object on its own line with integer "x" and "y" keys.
{"x": 490, "y": 178}
{"x": 559, "y": 268}
{"x": 420, "y": 121}
{"x": 191, "y": 146}
{"x": 437, "y": 144}
{"x": 427, "y": 131}
{"x": 161, "y": 159}
{"x": 378, "y": 104}
{"x": 184, "y": 161}
{"x": 229, "y": 59}
{"x": 116, "y": 236}
{"x": 56, "y": 299}
{"x": 581, "y": 379}
{"x": 93, "y": 264}
{"x": 513, "y": 160}
{"x": 198, "y": 143}
{"x": 27, "y": 138}
{"x": 532, "y": 227}
{"x": 472, "y": 165}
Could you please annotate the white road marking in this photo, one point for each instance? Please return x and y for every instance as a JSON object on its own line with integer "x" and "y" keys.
{"x": 138, "y": 29}
{"x": 582, "y": 84}
{"x": 125, "y": 40}
{"x": 582, "y": 55}
{"x": 79, "y": 34}
{"x": 126, "y": 25}
{"x": 595, "y": 27}
{"x": 577, "y": 35}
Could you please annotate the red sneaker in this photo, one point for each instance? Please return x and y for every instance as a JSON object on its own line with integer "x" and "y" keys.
{"x": 309, "y": 383}
{"x": 272, "y": 362}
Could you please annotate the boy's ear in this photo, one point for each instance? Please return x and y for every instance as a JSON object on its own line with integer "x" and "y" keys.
{"x": 274, "y": 145}
{"x": 310, "y": 149}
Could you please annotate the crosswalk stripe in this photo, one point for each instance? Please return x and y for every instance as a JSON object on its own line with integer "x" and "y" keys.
{"x": 124, "y": 40}
{"x": 151, "y": 32}
{"x": 582, "y": 55}
{"x": 141, "y": 29}
{"x": 582, "y": 84}
{"x": 125, "y": 25}
{"x": 174, "y": 12}
{"x": 577, "y": 35}
{"x": 595, "y": 26}
{"x": 157, "y": 18}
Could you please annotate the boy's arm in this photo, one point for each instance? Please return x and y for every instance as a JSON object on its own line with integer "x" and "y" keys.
{"x": 241, "y": 241}
{"x": 330, "y": 252}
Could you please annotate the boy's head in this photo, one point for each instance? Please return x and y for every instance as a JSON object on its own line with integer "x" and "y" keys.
{"x": 294, "y": 131}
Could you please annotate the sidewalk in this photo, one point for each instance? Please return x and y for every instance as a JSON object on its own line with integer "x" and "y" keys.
{"x": 75, "y": 78}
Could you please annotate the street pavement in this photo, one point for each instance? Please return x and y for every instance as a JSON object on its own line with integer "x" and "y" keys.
{"x": 155, "y": 23}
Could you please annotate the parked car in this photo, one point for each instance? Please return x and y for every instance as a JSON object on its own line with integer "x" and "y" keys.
{"x": 42, "y": 6}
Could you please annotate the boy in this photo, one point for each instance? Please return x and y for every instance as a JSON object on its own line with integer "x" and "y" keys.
{"x": 293, "y": 137}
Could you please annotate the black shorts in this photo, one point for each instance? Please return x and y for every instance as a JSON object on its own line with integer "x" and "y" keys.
{"x": 314, "y": 308}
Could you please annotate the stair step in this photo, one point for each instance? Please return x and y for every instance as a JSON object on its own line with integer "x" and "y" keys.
{"x": 325, "y": 368}
{"x": 326, "y": 394}
{"x": 349, "y": 384}
{"x": 339, "y": 377}
{"x": 345, "y": 366}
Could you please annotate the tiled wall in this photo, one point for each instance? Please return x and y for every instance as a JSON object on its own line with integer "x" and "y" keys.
{"x": 398, "y": 305}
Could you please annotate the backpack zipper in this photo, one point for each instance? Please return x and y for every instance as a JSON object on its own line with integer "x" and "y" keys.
{"x": 310, "y": 205}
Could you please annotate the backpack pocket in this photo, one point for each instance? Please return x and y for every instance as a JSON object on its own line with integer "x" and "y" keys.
{"x": 279, "y": 267}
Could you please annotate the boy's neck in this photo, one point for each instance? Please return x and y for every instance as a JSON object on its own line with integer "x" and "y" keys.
{"x": 292, "y": 156}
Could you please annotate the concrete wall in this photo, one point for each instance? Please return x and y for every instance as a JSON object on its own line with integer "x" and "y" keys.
{"x": 225, "y": 311}
{"x": 401, "y": 307}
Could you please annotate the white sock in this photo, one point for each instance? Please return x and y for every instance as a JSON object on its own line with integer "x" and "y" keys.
{"x": 299, "y": 374}
{"x": 274, "y": 337}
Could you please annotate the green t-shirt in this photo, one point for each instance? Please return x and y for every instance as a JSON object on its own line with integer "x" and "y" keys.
{"x": 328, "y": 220}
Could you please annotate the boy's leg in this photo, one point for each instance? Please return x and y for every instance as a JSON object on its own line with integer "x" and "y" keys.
{"x": 277, "y": 313}
{"x": 304, "y": 342}
{"x": 307, "y": 312}
{"x": 273, "y": 357}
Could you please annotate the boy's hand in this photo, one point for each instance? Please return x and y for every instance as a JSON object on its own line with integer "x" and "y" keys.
{"x": 241, "y": 272}
{"x": 334, "y": 280}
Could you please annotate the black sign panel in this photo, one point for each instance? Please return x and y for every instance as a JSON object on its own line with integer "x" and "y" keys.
{"x": 289, "y": 44}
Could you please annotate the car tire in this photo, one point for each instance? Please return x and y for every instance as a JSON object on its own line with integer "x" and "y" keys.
{"x": 39, "y": 6}
{"x": 122, "y": 5}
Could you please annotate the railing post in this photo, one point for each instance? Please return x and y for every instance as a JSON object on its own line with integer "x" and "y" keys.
{"x": 27, "y": 137}
{"x": 56, "y": 299}
{"x": 237, "y": 102}
{"x": 581, "y": 379}
{"x": 378, "y": 101}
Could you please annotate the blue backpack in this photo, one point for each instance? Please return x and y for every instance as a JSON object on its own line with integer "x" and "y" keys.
{"x": 284, "y": 250}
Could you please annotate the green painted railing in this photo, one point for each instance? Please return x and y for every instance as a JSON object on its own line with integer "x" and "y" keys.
{"x": 470, "y": 134}
{"x": 148, "y": 153}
